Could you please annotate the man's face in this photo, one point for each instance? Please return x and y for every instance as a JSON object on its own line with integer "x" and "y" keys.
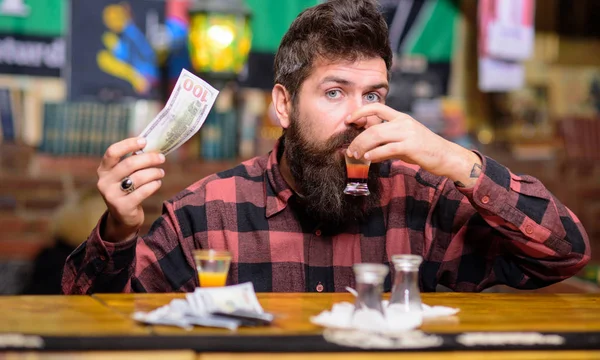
{"x": 317, "y": 137}
{"x": 335, "y": 90}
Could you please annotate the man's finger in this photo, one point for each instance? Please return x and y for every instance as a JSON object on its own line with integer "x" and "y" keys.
{"x": 379, "y": 110}
{"x": 116, "y": 151}
{"x": 145, "y": 176}
{"x": 143, "y": 192}
{"x": 135, "y": 163}
{"x": 369, "y": 139}
{"x": 389, "y": 151}
{"x": 373, "y": 137}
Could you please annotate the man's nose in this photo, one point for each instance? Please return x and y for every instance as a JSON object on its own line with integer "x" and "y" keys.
{"x": 361, "y": 122}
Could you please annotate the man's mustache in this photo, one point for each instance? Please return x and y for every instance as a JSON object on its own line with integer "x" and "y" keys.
{"x": 342, "y": 139}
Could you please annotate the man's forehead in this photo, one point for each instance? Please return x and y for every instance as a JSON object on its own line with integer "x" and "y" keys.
{"x": 324, "y": 70}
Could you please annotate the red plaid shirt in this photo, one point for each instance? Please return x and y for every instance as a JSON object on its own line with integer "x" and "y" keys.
{"x": 508, "y": 229}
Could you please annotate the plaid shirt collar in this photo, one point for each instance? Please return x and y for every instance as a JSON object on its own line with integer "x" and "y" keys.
{"x": 277, "y": 190}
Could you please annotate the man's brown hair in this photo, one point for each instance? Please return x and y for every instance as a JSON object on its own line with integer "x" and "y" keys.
{"x": 336, "y": 30}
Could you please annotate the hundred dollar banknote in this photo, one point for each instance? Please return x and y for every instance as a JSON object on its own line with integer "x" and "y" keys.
{"x": 206, "y": 306}
{"x": 183, "y": 115}
{"x": 226, "y": 299}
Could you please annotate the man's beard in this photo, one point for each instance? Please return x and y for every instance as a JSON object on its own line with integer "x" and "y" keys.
{"x": 320, "y": 176}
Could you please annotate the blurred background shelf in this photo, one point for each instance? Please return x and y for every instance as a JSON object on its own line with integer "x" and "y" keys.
{"x": 111, "y": 64}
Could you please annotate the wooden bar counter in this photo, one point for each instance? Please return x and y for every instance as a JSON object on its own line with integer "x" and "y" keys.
{"x": 100, "y": 326}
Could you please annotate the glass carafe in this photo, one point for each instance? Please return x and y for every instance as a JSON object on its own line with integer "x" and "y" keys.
{"x": 369, "y": 286}
{"x": 406, "y": 295}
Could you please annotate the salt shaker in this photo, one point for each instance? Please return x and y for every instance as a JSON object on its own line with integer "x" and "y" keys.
{"x": 406, "y": 295}
{"x": 369, "y": 285}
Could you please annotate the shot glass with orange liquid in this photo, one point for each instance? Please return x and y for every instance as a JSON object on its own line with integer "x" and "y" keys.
{"x": 212, "y": 267}
{"x": 358, "y": 174}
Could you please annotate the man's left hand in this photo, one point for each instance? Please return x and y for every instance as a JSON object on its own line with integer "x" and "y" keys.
{"x": 390, "y": 134}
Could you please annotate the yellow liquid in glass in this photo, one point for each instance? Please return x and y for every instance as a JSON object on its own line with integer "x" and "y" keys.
{"x": 212, "y": 279}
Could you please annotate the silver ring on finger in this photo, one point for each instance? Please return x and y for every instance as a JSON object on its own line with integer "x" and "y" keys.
{"x": 127, "y": 185}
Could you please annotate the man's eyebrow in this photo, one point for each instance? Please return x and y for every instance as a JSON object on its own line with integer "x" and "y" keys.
{"x": 380, "y": 86}
{"x": 343, "y": 81}
{"x": 336, "y": 79}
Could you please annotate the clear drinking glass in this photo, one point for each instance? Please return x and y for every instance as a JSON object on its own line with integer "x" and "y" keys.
{"x": 358, "y": 173}
{"x": 212, "y": 267}
{"x": 369, "y": 285}
{"x": 405, "y": 292}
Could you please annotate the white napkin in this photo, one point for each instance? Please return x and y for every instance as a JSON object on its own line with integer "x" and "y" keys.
{"x": 430, "y": 312}
{"x": 394, "y": 320}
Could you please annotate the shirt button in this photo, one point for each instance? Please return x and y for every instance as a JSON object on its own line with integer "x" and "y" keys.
{"x": 318, "y": 232}
{"x": 319, "y": 287}
{"x": 485, "y": 199}
{"x": 529, "y": 229}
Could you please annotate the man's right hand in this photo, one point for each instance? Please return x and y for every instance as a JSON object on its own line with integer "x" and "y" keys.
{"x": 125, "y": 212}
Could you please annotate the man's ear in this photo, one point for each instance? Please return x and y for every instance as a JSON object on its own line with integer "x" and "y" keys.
{"x": 282, "y": 103}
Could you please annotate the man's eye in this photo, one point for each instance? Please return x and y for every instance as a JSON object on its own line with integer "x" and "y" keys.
{"x": 332, "y": 94}
{"x": 372, "y": 97}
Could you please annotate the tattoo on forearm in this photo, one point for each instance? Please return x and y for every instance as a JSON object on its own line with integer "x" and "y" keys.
{"x": 459, "y": 184}
{"x": 476, "y": 171}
